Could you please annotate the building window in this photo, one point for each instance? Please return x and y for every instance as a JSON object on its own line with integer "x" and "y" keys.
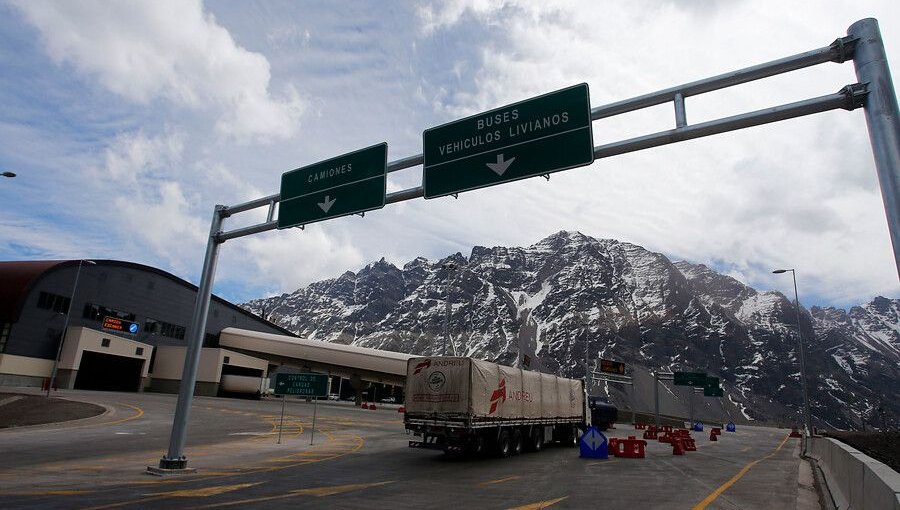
{"x": 139, "y": 351}
{"x": 227, "y": 360}
{"x": 4, "y": 335}
{"x": 155, "y": 327}
{"x": 104, "y": 342}
{"x": 55, "y": 302}
{"x": 98, "y": 312}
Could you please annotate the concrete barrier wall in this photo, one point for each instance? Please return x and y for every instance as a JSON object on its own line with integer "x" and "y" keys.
{"x": 855, "y": 480}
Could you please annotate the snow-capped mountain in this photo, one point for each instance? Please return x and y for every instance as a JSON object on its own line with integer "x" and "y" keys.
{"x": 569, "y": 292}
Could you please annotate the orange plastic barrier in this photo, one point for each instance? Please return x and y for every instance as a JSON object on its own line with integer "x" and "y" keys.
{"x": 712, "y": 436}
{"x": 677, "y": 446}
{"x": 632, "y": 448}
{"x": 716, "y": 431}
{"x": 689, "y": 444}
{"x": 650, "y": 433}
{"x": 795, "y": 433}
{"x": 665, "y": 438}
{"x": 613, "y": 446}
{"x": 667, "y": 428}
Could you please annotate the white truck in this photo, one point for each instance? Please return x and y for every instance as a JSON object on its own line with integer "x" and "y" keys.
{"x": 458, "y": 404}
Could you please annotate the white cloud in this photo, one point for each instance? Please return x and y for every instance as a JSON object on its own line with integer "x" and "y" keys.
{"x": 799, "y": 193}
{"x": 168, "y": 50}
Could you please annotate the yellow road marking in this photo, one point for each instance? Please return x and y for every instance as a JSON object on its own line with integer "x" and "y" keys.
{"x": 499, "y": 480}
{"x": 140, "y": 412}
{"x": 600, "y": 463}
{"x": 205, "y": 491}
{"x": 747, "y": 449}
{"x": 49, "y": 493}
{"x": 317, "y": 492}
{"x": 539, "y": 504}
{"x": 722, "y": 488}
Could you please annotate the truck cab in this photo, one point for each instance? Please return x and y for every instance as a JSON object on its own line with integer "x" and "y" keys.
{"x": 603, "y": 414}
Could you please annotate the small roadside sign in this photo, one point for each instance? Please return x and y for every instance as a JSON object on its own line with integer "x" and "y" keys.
{"x": 307, "y": 385}
{"x": 537, "y": 136}
{"x": 348, "y": 184}
{"x": 594, "y": 445}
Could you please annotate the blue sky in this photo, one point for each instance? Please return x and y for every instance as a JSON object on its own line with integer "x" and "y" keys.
{"x": 128, "y": 122}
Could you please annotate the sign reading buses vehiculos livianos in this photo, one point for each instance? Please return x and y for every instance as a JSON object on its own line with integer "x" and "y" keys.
{"x": 538, "y": 136}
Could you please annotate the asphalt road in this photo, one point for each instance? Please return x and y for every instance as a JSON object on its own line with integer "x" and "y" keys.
{"x": 360, "y": 459}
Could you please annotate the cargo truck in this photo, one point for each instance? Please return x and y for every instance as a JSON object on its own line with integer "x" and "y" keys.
{"x": 459, "y": 404}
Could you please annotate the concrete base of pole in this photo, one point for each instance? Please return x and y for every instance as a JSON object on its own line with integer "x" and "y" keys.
{"x": 179, "y": 463}
{"x": 158, "y": 471}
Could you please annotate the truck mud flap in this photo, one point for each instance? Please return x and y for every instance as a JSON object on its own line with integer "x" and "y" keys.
{"x": 429, "y": 443}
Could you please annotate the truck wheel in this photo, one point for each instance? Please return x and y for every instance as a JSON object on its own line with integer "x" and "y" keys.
{"x": 576, "y": 437}
{"x": 503, "y": 444}
{"x": 517, "y": 442}
{"x": 476, "y": 447}
{"x": 536, "y": 439}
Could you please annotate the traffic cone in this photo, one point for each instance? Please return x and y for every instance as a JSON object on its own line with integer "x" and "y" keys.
{"x": 365, "y": 405}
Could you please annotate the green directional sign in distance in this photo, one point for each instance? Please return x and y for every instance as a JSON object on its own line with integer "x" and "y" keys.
{"x": 347, "y": 184}
{"x": 307, "y": 385}
{"x": 697, "y": 379}
{"x": 712, "y": 388}
{"x": 713, "y": 392}
{"x": 538, "y": 136}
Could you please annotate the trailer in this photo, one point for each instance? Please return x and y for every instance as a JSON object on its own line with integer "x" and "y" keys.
{"x": 460, "y": 404}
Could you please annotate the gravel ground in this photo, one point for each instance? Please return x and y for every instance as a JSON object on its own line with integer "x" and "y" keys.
{"x": 883, "y": 446}
{"x": 35, "y": 410}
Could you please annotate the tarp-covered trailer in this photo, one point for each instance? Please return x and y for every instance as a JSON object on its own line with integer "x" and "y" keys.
{"x": 465, "y": 404}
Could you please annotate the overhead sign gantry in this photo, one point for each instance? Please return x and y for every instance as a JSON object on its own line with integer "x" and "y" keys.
{"x": 449, "y": 171}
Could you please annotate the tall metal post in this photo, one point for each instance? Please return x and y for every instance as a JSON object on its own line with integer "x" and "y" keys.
{"x": 808, "y": 417}
{"x": 656, "y": 397}
{"x": 882, "y": 119}
{"x": 449, "y": 266}
{"x": 62, "y": 338}
{"x": 175, "y": 458}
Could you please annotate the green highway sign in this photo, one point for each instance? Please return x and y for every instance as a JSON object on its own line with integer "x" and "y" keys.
{"x": 712, "y": 388}
{"x": 713, "y": 392}
{"x": 348, "y": 184}
{"x": 690, "y": 379}
{"x": 307, "y": 385}
{"x": 538, "y": 136}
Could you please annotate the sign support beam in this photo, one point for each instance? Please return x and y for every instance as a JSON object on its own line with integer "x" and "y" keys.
{"x": 874, "y": 92}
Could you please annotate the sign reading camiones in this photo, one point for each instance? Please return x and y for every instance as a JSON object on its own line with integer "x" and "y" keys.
{"x": 307, "y": 385}
{"x": 538, "y": 136}
{"x": 348, "y": 184}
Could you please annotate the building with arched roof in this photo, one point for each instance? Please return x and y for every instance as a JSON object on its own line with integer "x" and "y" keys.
{"x": 39, "y": 299}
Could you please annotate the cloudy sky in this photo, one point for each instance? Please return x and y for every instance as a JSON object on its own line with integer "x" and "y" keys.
{"x": 128, "y": 121}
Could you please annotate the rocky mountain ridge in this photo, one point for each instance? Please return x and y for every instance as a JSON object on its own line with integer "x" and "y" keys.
{"x": 548, "y": 303}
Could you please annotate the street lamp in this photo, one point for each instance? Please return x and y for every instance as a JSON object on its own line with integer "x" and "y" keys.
{"x": 809, "y": 428}
{"x": 66, "y": 324}
{"x": 450, "y": 267}
{"x": 8, "y": 174}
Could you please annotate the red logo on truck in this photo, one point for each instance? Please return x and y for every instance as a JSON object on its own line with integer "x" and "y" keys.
{"x": 421, "y": 366}
{"x": 498, "y": 396}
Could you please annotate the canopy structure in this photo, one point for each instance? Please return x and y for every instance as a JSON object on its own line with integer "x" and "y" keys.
{"x": 318, "y": 356}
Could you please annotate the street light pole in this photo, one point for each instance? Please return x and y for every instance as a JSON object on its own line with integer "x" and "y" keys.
{"x": 65, "y": 325}
{"x": 808, "y": 417}
{"x": 449, "y": 266}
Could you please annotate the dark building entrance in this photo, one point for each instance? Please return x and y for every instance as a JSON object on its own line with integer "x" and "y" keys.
{"x": 107, "y": 372}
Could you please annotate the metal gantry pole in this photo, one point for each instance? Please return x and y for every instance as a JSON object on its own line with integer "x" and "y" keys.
{"x": 808, "y": 416}
{"x": 882, "y": 119}
{"x": 175, "y": 459}
{"x": 62, "y": 337}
